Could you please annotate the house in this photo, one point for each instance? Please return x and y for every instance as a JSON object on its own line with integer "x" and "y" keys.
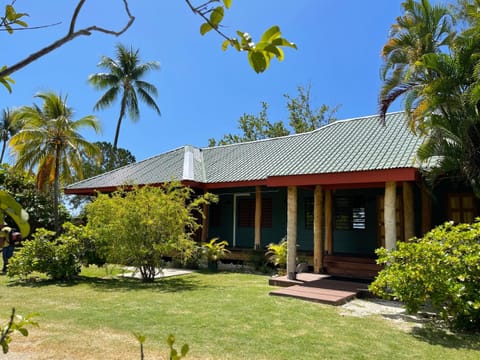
{"x": 337, "y": 193}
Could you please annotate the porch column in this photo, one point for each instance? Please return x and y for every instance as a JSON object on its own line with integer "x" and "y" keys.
{"x": 258, "y": 217}
{"x": 408, "y": 211}
{"x": 204, "y": 223}
{"x": 328, "y": 223}
{"x": 390, "y": 216}
{"x": 291, "y": 232}
{"x": 317, "y": 229}
{"x": 426, "y": 211}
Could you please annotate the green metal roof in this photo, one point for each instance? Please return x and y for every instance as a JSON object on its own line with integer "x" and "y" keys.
{"x": 357, "y": 144}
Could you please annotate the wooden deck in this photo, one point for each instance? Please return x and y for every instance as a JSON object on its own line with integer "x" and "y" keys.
{"x": 318, "y": 288}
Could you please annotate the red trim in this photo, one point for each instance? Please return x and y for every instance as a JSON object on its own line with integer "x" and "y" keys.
{"x": 357, "y": 179}
{"x": 345, "y": 178}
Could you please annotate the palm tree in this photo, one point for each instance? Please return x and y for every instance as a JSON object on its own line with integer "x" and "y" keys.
{"x": 124, "y": 79}
{"x": 50, "y": 143}
{"x": 423, "y": 29}
{"x": 8, "y": 128}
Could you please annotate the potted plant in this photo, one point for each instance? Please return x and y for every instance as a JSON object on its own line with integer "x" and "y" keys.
{"x": 213, "y": 251}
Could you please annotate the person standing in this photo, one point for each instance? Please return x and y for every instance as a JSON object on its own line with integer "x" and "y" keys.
{"x": 7, "y": 245}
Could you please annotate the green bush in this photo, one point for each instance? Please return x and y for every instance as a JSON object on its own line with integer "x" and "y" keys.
{"x": 277, "y": 255}
{"x": 60, "y": 258}
{"x": 441, "y": 270}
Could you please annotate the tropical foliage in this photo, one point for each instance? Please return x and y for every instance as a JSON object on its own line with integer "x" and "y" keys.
{"x": 432, "y": 61}
{"x": 439, "y": 271}
{"x": 303, "y": 117}
{"x": 59, "y": 257}
{"x": 8, "y": 128}
{"x": 50, "y": 143}
{"x": 22, "y": 186}
{"x": 124, "y": 80}
{"x": 142, "y": 226}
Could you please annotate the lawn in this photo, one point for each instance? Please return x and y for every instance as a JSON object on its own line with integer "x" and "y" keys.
{"x": 221, "y": 316}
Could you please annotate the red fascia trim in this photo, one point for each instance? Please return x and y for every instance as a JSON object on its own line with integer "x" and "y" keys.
{"x": 110, "y": 189}
{"x": 345, "y": 178}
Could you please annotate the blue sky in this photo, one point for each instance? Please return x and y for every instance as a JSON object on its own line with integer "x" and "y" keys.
{"x": 202, "y": 90}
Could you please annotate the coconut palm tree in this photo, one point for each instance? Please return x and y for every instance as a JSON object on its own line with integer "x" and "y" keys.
{"x": 423, "y": 29}
{"x": 124, "y": 79}
{"x": 49, "y": 142}
{"x": 8, "y": 128}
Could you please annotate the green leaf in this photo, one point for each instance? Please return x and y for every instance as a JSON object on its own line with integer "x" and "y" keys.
{"x": 204, "y": 28}
{"x": 227, "y": 3}
{"x": 21, "y": 23}
{"x": 226, "y": 44}
{"x": 184, "y": 350}
{"x": 170, "y": 340}
{"x": 10, "y": 12}
{"x": 271, "y": 34}
{"x": 216, "y": 16}
{"x": 283, "y": 42}
{"x": 258, "y": 61}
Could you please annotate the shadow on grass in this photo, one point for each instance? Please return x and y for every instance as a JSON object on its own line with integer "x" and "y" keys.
{"x": 167, "y": 284}
{"x": 435, "y": 334}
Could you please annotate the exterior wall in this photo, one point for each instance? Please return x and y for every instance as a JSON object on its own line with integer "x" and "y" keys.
{"x": 358, "y": 242}
{"x": 304, "y": 233}
{"x": 244, "y": 236}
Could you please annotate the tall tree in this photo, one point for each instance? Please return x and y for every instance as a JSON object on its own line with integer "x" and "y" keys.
{"x": 50, "y": 142}
{"x": 303, "y": 117}
{"x": 124, "y": 80}
{"x": 437, "y": 73}
{"x": 422, "y": 29}
{"x": 8, "y": 128}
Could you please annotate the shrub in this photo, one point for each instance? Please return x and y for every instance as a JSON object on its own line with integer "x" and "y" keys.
{"x": 277, "y": 255}
{"x": 142, "y": 226}
{"x": 441, "y": 270}
{"x": 60, "y": 258}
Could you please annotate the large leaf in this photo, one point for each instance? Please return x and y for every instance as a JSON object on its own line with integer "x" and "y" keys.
{"x": 258, "y": 61}
{"x": 227, "y": 3}
{"x": 216, "y": 16}
{"x": 271, "y": 34}
{"x": 204, "y": 28}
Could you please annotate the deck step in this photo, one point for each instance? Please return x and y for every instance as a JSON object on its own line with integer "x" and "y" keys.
{"x": 325, "y": 290}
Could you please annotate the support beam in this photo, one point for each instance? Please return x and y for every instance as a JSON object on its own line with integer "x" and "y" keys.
{"x": 317, "y": 229}
{"x": 205, "y": 224}
{"x": 390, "y": 215}
{"x": 408, "y": 211}
{"x": 328, "y": 223}
{"x": 258, "y": 217}
{"x": 291, "y": 232}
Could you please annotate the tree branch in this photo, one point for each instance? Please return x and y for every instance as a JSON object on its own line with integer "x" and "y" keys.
{"x": 198, "y": 11}
{"x": 72, "y": 34}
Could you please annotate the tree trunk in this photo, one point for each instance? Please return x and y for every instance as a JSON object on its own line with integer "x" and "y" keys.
{"x": 56, "y": 191}
{"x": 258, "y": 218}
{"x": 292, "y": 232}
{"x": 390, "y": 212}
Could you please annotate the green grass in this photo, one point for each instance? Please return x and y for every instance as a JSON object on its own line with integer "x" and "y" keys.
{"x": 220, "y": 316}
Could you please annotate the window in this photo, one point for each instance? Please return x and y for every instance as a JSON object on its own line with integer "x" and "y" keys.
{"x": 350, "y": 213}
{"x": 308, "y": 211}
{"x": 461, "y": 208}
{"x": 246, "y": 213}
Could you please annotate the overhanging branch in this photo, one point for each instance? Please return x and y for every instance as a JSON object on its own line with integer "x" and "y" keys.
{"x": 72, "y": 34}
